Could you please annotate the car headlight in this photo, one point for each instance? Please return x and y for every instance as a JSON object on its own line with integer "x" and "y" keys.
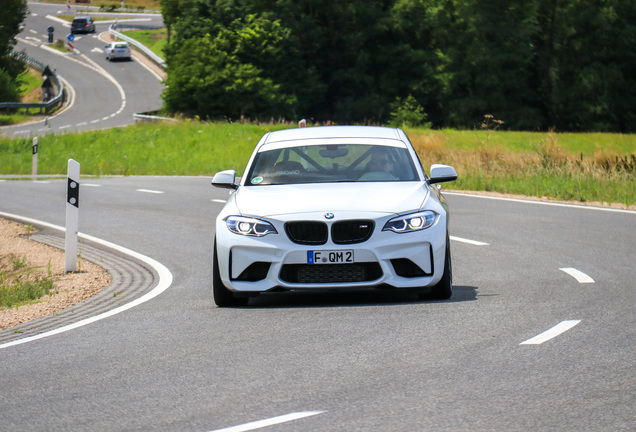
{"x": 411, "y": 222}
{"x": 249, "y": 226}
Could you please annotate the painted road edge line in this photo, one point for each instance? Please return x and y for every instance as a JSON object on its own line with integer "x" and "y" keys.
{"x": 150, "y": 191}
{"x": 471, "y": 242}
{"x": 547, "y": 203}
{"x": 269, "y": 422}
{"x": 578, "y": 275}
{"x": 555, "y": 331}
{"x": 165, "y": 280}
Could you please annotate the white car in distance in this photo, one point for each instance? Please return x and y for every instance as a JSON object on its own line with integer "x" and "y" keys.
{"x": 335, "y": 207}
{"x": 117, "y": 50}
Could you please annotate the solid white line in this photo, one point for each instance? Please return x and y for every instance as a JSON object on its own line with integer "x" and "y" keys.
{"x": 269, "y": 422}
{"x": 562, "y": 327}
{"x": 90, "y": 184}
{"x": 471, "y": 242}
{"x": 150, "y": 191}
{"x": 578, "y": 275}
{"x": 165, "y": 280}
{"x": 547, "y": 203}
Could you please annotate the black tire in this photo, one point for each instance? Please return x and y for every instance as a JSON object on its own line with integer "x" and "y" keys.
{"x": 223, "y": 297}
{"x": 444, "y": 288}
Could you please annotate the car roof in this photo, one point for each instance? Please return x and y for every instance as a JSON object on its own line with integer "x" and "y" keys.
{"x": 327, "y": 132}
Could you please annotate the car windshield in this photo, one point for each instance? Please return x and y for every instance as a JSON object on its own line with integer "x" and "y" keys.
{"x": 331, "y": 163}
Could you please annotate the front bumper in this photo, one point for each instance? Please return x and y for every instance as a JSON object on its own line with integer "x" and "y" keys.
{"x": 273, "y": 262}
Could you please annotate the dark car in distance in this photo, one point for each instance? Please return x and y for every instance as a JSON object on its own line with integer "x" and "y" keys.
{"x": 83, "y": 24}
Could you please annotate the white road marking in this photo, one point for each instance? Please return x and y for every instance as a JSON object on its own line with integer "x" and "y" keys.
{"x": 471, "y": 242}
{"x": 219, "y": 201}
{"x": 149, "y": 191}
{"x": 269, "y": 422}
{"x": 578, "y": 275}
{"x": 562, "y": 327}
{"x": 547, "y": 203}
{"x": 165, "y": 280}
{"x": 28, "y": 42}
{"x": 33, "y": 31}
{"x": 90, "y": 184}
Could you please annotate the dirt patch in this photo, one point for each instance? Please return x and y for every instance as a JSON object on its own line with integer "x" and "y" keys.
{"x": 69, "y": 288}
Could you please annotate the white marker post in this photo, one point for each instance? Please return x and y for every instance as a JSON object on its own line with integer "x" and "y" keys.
{"x": 72, "y": 215}
{"x": 34, "y": 170}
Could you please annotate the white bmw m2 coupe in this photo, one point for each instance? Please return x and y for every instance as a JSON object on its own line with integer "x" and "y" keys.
{"x": 335, "y": 207}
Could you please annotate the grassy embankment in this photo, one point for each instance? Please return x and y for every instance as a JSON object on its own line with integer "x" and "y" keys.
{"x": 585, "y": 167}
{"x": 30, "y": 89}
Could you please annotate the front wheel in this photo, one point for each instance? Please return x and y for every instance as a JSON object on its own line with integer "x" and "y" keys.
{"x": 223, "y": 297}
{"x": 444, "y": 288}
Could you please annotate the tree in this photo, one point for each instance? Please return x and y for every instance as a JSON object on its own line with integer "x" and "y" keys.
{"x": 243, "y": 70}
{"x": 13, "y": 14}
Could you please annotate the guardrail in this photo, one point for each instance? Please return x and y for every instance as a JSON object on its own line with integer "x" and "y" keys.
{"x": 144, "y": 49}
{"x": 57, "y": 84}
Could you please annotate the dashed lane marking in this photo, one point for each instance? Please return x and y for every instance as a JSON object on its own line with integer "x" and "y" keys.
{"x": 578, "y": 275}
{"x": 555, "y": 331}
{"x": 269, "y": 422}
{"x": 471, "y": 242}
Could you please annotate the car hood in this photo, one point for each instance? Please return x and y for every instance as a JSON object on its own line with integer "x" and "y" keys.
{"x": 375, "y": 197}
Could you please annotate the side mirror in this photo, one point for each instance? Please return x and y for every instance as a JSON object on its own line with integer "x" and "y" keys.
{"x": 225, "y": 179}
{"x": 442, "y": 173}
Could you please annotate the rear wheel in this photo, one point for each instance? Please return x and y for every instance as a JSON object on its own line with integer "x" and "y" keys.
{"x": 444, "y": 288}
{"x": 223, "y": 297}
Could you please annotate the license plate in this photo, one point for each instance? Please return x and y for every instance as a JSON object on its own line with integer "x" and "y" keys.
{"x": 330, "y": 257}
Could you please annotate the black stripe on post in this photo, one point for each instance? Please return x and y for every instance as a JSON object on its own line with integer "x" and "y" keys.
{"x": 72, "y": 192}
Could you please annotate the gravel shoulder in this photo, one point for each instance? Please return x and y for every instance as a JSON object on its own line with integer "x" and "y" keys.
{"x": 70, "y": 288}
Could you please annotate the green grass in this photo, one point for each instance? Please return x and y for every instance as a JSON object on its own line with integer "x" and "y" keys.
{"x": 581, "y": 167}
{"x": 155, "y": 39}
{"x": 19, "y": 285}
{"x": 31, "y": 80}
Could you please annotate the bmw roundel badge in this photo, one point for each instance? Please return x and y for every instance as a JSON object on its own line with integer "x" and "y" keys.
{"x": 329, "y": 215}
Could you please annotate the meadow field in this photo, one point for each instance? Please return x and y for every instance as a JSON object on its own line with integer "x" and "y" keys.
{"x": 581, "y": 167}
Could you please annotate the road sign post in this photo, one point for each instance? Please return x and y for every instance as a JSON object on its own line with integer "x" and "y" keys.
{"x": 71, "y": 38}
{"x": 72, "y": 216}
{"x": 34, "y": 169}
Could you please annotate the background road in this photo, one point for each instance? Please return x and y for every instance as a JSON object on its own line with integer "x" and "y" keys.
{"x": 373, "y": 361}
{"x": 103, "y": 94}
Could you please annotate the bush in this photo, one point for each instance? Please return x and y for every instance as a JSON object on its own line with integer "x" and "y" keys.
{"x": 408, "y": 113}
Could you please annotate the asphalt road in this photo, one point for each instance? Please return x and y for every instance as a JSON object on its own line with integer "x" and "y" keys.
{"x": 372, "y": 361}
{"x": 102, "y": 94}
